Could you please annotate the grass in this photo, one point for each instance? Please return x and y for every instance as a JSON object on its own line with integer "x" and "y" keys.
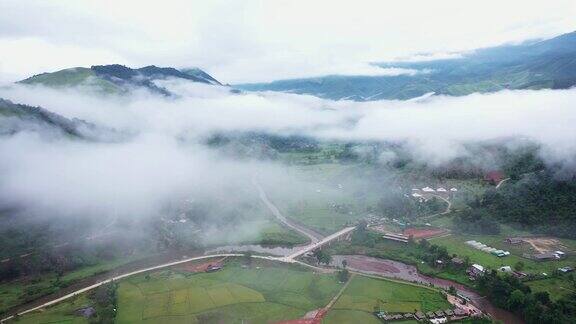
{"x": 263, "y": 293}
{"x": 276, "y": 234}
{"x": 59, "y": 313}
{"x": 233, "y": 294}
{"x": 368, "y": 294}
{"x": 18, "y": 292}
{"x": 365, "y": 295}
{"x": 556, "y": 287}
{"x": 455, "y": 244}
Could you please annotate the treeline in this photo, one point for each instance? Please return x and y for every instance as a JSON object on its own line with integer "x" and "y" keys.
{"x": 535, "y": 307}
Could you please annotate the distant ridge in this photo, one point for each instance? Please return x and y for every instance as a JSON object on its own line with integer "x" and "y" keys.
{"x": 547, "y": 64}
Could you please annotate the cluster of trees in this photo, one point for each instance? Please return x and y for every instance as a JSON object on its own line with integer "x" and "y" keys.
{"x": 105, "y": 298}
{"x": 539, "y": 202}
{"x": 476, "y": 221}
{"x": 535, "y": 307}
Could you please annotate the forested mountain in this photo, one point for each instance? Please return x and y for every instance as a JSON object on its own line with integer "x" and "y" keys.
{"x": 117, "y": 78}
{"x": 548, "y": 64}
{"x": 16, "y": 118}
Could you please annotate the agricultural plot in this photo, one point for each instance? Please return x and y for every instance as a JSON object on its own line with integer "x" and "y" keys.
{"x": 234, "y": 294}
{"x": 367, "y": 295}
{"x": 331, "y": 197}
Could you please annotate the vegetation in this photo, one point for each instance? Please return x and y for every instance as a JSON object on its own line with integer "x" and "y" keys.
{"x": 547, "y": 64}
{"x": 369, "y": 295}
{"x": 509, "y": 293}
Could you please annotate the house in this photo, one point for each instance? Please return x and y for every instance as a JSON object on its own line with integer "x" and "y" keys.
{"x": 430, "y": 315}
{"x": 494, "y": 177}
{"x": 560, "y": 254}
{"x": 408, "y": 316}
{"x": 514, "y": 240}
{"x": 439, "y": 313}
{"x": 475, "y": 271}
{"x": 419, "y": 316}
{"x": 453, "y": 189}
{"x": 428, "y": 189}
{"x": 460, "y": 312}
{"x": 439, "y": 320}
{"x": 449, "y": 312}
{"x": 441, "y": 190}
{"x": 213, "y": 267}
{"x": 546, "y": 256}
{"x": 505, "y": 269}
{"x": 566, "y": 269}
{"x": 457, "y": 261}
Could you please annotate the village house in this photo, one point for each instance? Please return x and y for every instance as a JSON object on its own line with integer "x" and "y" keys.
{"x": 514, "y": 240}
{"x": 457, "y": 261}
{"x": 494, "y": 177}
{"x": 419, "y": 316}
{"x": 475, "y": 271}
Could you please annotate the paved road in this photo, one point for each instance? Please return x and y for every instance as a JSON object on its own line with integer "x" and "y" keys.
{"x": 501, "y": 182}
{"x": 313, "y": 246}
{"x": 313, "y": 236}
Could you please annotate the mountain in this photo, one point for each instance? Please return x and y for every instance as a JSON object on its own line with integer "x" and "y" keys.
{"x": 117, "y": 78}
{"x": 548, "y": 64}
{"x": 16, "y": 118}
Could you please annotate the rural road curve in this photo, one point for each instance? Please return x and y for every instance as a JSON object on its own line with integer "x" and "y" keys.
{"x": 313, "y": 236}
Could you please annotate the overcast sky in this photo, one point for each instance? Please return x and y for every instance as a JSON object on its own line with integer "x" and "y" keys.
{"x": 248, "y": 41}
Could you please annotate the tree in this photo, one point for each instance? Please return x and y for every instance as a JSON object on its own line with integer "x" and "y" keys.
{"x": 323, "y": 257}
{"x": 343, "y": 275}
{"x": 247, "y": 258}
{"x": 519, "y": 266}
{"x": 517, "y": 299}
{"x": 344, "y": 263}
{"x": 452, "y": 291}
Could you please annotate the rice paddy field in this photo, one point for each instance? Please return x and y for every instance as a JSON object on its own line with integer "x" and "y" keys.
{"x": 261, "y": 293}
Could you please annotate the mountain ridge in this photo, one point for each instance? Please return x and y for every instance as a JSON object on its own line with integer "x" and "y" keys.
{"x": 547, "y": 64}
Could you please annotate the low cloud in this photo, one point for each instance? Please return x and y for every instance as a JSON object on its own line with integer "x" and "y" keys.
{"x": 166, "y": 160}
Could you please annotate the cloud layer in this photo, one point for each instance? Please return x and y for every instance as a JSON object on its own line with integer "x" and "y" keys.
{"x": 252, "y": 40}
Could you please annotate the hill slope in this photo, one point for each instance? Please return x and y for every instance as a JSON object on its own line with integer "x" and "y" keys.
{"x": 16, "y": 118}
{"x": 549, "y": 64}
{"x": 117, "y": 78}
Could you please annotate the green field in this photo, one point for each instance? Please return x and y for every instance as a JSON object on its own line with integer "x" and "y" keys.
{"x": 556, "y": 287}
{"x": 455, "y": 244}
{"x": 329, "y": 197}
{"x": 368, "y": 294}
{"x": 235, "y": 293}
{"x": 365, "y": 295}
{"x": 262, "y": 293}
